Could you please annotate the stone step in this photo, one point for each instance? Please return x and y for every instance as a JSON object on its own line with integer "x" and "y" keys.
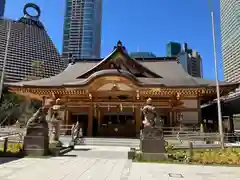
{"x": 112, "y": 145}
{"x": 110, "y": 142}
{"x": 102, "y": 142}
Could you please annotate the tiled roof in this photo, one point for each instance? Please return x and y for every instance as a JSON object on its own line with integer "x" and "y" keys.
{"x": 170, "y": 74}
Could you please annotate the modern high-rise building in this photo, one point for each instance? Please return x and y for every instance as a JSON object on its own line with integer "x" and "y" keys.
{"x": 230, "y": 34}
{"x": 188, "y": 58}
{"x": 30, "y": 53}
{"x": 82, "y": 29}
{"x": 2, "y": 7}
{"x": 173, "y": 49}
{"x": 142, "y": 55}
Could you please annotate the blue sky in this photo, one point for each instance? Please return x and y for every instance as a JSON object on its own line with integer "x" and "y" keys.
{"x": 140, "y": 24}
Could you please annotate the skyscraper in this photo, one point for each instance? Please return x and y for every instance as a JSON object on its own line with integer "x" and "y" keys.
{"x": 173, "y": 49}
{"x": 30, "y": 52}
{"x": 230, "y": 33}
{"x": 188, "y": 58}
{"x": 2, "y": 7}
{"x": 82, "y": 29}
{"x": 142, "y": 55}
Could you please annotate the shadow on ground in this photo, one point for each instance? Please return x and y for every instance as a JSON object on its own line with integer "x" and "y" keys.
{"x": 68, "y": 155}
{"x": 82, "y": 149}
{"x": 7, "y": 159}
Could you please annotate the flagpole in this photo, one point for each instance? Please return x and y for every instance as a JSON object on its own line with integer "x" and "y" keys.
{"x": 9, "y": 26}
{"x": 220, "y": 122}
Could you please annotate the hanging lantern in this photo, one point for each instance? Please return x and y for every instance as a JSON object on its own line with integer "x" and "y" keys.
{"x": 121, "y": 107}
{"x": 90, "y": 96}
{"x": 138, "y": 96}
{"x": 108, "y": 107}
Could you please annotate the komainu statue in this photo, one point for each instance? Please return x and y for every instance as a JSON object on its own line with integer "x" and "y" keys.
{"x": 36, "y": 140}
{"x": 38, "y": 117}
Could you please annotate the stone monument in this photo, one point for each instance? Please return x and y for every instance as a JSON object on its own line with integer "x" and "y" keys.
{"x": 152, "y": 139}
{"x": 36, "y": 140}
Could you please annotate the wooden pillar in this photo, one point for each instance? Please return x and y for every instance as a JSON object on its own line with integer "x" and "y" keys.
{"x": 68, "y": 117}
{"x": 231, "y": 124}
{"x": 90, "y": 121}
{"x": 99, "y": 118}
{"x": 170, "y": 118}
{"x": 67, "y": 121}
{"x": 174, "y": 118}
{"x": 199, "y": 111}
{"x": 138, "y": 119}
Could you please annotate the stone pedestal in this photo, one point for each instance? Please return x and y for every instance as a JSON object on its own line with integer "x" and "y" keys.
{"x": 152, "y": 144}
{"x": 36, "y": 140}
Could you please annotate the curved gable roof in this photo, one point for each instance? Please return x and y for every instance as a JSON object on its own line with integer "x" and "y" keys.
{"x": 166, "y": 73}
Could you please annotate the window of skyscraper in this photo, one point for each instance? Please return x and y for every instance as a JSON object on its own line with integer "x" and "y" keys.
{"x": 87, "y": 33}
{"x": 87, "y": 45}
{"x": 88, "y": 16}
{"x": 88, "y": 11}
{"x": 88, "y": 5}
{"x": 87, "y": 21}
{"x": 87, "y": 39}
{"x": 87, "y": 27}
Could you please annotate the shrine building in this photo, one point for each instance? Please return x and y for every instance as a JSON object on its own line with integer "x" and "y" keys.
{"x": 106, "y": 95}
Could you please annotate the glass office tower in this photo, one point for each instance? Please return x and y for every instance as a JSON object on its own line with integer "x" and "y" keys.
{"x": 173, "y": 49}
{"x": 82, "y": 29}
{"x": 230, "y": 33}
{"x": 2, "y": 7}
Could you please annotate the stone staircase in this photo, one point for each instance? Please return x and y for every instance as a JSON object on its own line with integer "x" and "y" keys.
{"x": 124, "y": 142}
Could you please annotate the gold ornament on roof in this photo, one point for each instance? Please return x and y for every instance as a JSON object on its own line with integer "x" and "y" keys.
{"x": 178, "y": 95}
{"x": 115, "y": 87}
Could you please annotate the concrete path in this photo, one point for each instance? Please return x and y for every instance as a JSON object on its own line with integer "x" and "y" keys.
{"x": 107, "y": 163}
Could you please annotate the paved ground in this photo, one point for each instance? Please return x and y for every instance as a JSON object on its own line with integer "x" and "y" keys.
{"x": 107, "y": 163}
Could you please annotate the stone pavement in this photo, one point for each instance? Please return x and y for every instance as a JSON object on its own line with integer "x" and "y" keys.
{"x": 107, "y": 163}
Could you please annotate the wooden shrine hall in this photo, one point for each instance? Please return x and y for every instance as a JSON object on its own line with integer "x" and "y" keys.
{"x": 106, "y": 95}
